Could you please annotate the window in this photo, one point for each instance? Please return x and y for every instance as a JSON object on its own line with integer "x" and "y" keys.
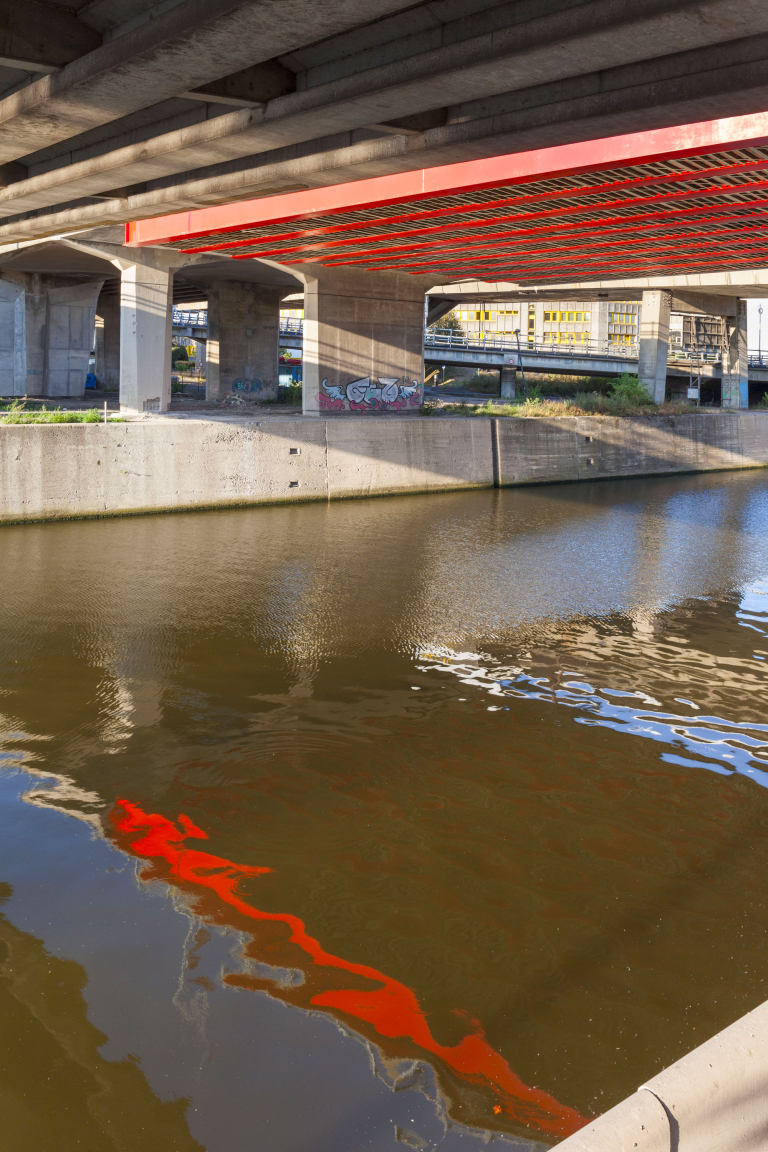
{"x": 574, "y": 317}
{"x": 621, "y": 318}
{"x": 620, "y": 338}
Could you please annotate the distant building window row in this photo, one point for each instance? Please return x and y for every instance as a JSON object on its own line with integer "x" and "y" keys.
{"x": 557, "y": 317}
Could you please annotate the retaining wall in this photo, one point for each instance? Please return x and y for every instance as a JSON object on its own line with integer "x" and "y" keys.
{"x": 68, "y": 470}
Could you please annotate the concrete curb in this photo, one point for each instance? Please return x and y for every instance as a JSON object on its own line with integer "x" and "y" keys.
{"x": 715, "y": 1099}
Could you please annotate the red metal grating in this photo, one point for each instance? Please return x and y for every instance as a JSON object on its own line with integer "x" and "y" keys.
{"x": 688, "y": 199}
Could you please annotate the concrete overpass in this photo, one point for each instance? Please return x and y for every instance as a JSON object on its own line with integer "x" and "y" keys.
{"x": 119, "y": 110}
{"x": 414, "y": 145}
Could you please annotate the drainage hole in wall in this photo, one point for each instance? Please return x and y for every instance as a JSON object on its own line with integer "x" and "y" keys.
{"x": 589, "y": 461}
{"x": 293, "y": 484}
{"x": 294, "y": 451}
{"x": 588, "y": 439}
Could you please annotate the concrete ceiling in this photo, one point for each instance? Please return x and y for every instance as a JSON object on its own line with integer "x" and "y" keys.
{"x": 114, "y": 110}
{"x": 56, "y": 258}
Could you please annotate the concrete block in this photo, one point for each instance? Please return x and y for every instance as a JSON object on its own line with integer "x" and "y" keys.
{"x": 537, "y": 450}
{"x": 407, "y": 455}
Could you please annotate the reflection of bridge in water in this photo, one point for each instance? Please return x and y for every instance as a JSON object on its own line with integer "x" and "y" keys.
{"x": 587, "y": 358}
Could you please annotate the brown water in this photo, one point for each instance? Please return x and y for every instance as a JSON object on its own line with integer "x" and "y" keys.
{"x": 403, "y": 822}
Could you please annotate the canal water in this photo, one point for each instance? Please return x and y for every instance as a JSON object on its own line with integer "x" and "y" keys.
{"x": 417, "y": 823}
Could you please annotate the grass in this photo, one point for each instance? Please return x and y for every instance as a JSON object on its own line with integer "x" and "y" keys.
{"x": 18, "y": 413}
{"x": 627, "y": 398}
{"x": 584, "y": 404}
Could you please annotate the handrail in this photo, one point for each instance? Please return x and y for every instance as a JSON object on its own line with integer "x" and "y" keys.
{"x": 447, "y": 338}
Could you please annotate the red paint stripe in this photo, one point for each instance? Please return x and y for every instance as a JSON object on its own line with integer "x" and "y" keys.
{"x": 371, "y": 226}
{"x": 567, "y": 159}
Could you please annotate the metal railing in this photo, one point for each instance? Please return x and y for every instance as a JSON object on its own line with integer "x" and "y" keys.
{"x": 493, "y": 342}
{"x": 446, "y": 338}
{"x": 196, "y": 319}
{"x": 291, "y": 325}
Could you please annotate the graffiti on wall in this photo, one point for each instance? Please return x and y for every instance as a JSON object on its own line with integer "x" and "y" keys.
{"x": 371, "y": 395}
{"x": 247, "y": 385}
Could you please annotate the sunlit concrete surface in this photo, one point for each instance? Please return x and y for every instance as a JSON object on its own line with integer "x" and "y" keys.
{"x": 163, "y": 464}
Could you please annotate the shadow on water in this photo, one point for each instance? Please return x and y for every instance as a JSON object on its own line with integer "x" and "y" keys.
{"x": 491, "y": 769}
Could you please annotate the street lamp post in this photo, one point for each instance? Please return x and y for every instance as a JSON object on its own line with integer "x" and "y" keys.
{"x": 760, "y": 333}
{"x": 520, "y": 363}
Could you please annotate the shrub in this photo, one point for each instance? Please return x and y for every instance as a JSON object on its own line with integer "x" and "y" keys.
{"x": 629, "y": 389}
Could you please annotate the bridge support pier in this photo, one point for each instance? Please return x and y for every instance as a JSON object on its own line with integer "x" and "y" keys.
{"x": 108, "y": 341}
{"x": 508, "y": 383}
{"x": 243, "y": 347}
{"x": 363, "y": 341}
{"x": 654, "y": 343}
{"x": 735, "y": 361}
{"x": 145, "y": 338}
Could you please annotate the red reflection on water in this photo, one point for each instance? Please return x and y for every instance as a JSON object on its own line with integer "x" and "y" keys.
{"x": 390, "y": 1007}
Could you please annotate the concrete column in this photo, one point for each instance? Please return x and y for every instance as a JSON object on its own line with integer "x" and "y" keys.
{"x": 243, "y": 346}
{"x": 13, "y": 352}
{"x": 599, "y": 310}
{"x": 508, "y": 383}
{"x": 735, "y": 361}
{"x": 35, "y": 327}
{"x": 145, "y": 338}
{"x": 69, "y": 337}
{"x": 108, "y": 341}
{"x": 654, "y": 343}
{"x": 363, "y": 341}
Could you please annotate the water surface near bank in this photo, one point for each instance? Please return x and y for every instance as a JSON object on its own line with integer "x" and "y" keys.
{"x": 371, "y": 824}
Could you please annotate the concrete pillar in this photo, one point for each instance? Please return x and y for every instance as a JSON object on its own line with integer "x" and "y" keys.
{"x": 13, "y": 352}
{"x": 69, "y": 337}
{"x": 35, "y": 327}
{"x": 108, "y": 341}
{"x": 363, "y": 341}
{"x": 508, "y": 383}
{"x": 599, "y": 311}
{"x": 243, "y": 345}
{"x": 145, "y": 338}
{"x": 654, "y": 343}
{"x": 735, "y": 361}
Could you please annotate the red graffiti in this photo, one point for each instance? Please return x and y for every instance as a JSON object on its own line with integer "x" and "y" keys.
{"x": 349, "y": 989}
{"x": 326, "y": 402}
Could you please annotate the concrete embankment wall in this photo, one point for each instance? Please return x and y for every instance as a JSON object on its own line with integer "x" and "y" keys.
{"x": 67, "y": 470}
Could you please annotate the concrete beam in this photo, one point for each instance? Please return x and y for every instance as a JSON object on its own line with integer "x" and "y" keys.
{"x": 685, "y": 86}
{"x": 705, "y": 304}
{"x": 186, "y": 47}
{"x": 42, "y": 38}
